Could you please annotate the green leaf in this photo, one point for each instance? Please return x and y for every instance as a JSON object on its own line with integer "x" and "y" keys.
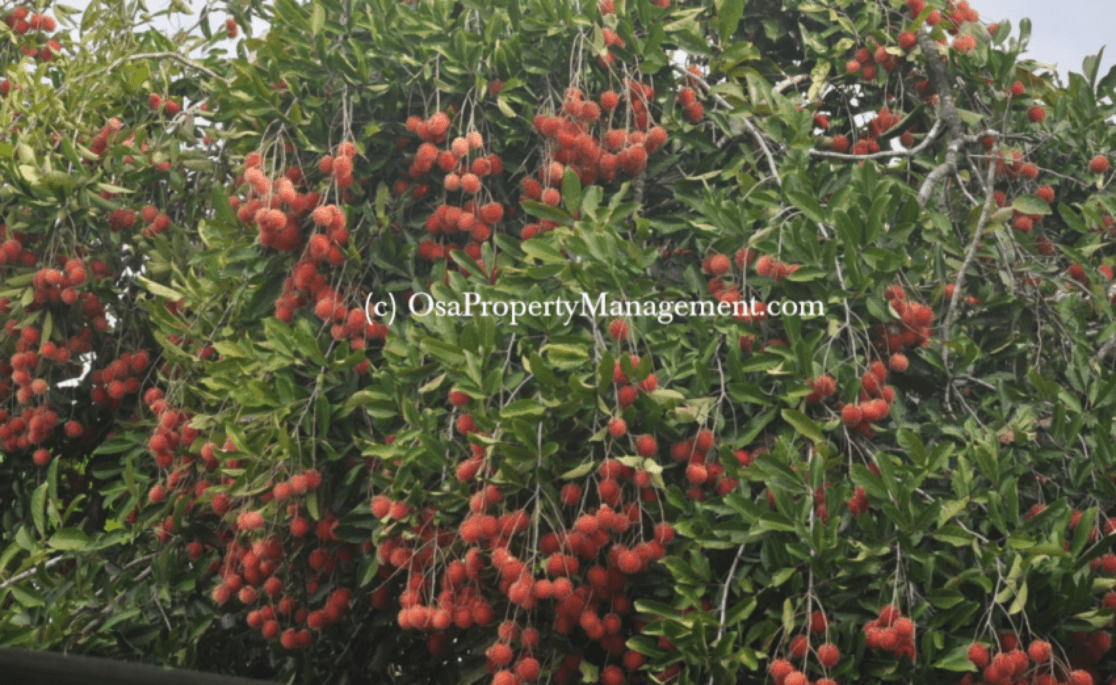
{"x": 546, "y": 212}
{"x": 38, "y": 502}
{"x": 159, "y": 289}
{"x": 957, "y": 660}
{"x": 68, "y": 540}
{"x": 28, "y": 597}
{"x": 1031, "y": 204}
{"x": 729, "y": 14}
{"x": 571, "y": 190}
{"x": 317, "y": 19}
{"x": 808, "y": 204}
{"x": 803, "y": 424}
{"x": 521, "y": 409}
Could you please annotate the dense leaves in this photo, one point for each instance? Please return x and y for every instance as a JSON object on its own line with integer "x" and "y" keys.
{"x": 229, "y": 443}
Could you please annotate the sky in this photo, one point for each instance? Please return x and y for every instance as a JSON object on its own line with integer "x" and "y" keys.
{"x": 1063, "y": 32}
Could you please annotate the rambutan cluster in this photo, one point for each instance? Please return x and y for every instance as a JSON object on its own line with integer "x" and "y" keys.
{"x": 172, "y": 434}
{"x": 307, "y": 284}
{"x": 867, "y": 144}
{"x": 160, "y": 104}
{"x": 867, "y": 59}
{"x": 891, "y": 632}
{"x": 1087, "y": 648}
{"x": 263, "y": 202}
{"x": 455, "y": 579}
{"x": 626, "y": 393}
{"x": 770, "y": 267}
{"x": 784, "y": 672}
{"x": 23, "y": 22}
{"x": 688, "y": 99}
{"x": 1036, "y": 665}
{"x": 700, "y": 470}
{"x": 326, "y": 245}
{"x": 468, "y": 468}
{"x": 465, "y": 165}
{"x": 821, "y": 387}
{"x": 52, "y": 285}
{"x": 913, "y": 329}
{"x": 12, "y": 249}
{"x": 858, "y": 503}
{"x": 249, "y": 572}
{"x": 572, "y": 143}
{"x": 340, "y": 166}
{"x": 119, "y": 378}
{"x": 432, "y": 131}
{"x": 611, "y": 40}
{"x": 296, "y": 486}
{"x": 874, "y": 401}
{"x": 33, "y": 425}
{"x": 718, "y": 266}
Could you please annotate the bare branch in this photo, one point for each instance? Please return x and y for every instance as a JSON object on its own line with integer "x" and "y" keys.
{"x": 969, "y": 256}
{"x": 882, "y": 154}
{"x": 51, "y": 563}
{"x": 949, "y": 166}
{"x": 790, "y": 81}
{"x": 947, "y": 113}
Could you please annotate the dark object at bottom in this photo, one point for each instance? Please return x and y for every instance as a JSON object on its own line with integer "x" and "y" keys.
{"x": 26, "y": 667}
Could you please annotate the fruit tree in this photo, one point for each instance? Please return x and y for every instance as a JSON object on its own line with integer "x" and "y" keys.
{"x": 228, "y": 444}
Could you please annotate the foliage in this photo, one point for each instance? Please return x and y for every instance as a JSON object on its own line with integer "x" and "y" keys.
{"x": 215, "y": 456}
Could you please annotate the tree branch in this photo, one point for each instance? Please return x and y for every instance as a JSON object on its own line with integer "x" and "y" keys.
{"x": 911, "y": 152}
{"x": 51, "y": 563}
{"x": 947, "y": 114}
{"x": 969, "y": 257}
{"x": 790, "y": 81}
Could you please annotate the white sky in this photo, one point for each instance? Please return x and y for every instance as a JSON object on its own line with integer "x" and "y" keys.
{"x": 1063, "y": 31}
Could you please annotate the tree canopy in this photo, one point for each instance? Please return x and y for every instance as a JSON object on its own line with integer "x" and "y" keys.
{"x": 226, "y": 443}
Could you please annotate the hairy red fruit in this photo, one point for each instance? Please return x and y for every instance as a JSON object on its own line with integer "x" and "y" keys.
{"x": 978, "y": 654}
{"x": 851, "y": 415}
{"x": 500, "y": 654}
{"x": 1080, "y": 677}
{"x": 527, "y": 669}
{"x": 612, "y": 675}
{"x": 799, "y": 645}
{"x": 718, "y": 265}
{"x": 1039, "y": 651}
{"x": 617, "y": 427}
{"x": 618, "y": 329}
{"x": 829, "y": 655}
{"x": 1098, "y": 164}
